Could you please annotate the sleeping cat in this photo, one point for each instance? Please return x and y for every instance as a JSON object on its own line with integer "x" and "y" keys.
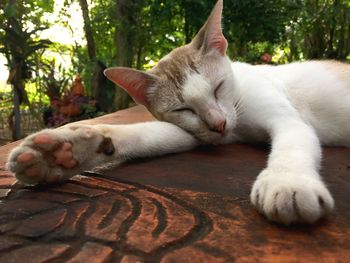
{"x": 200, "y": 96}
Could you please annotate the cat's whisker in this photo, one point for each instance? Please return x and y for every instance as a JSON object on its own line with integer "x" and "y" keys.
{"x": 238, "y": 105}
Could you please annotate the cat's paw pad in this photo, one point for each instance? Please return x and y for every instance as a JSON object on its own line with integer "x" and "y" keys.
{"x": 51, "y": 155}
{"x": 286, "y": 198}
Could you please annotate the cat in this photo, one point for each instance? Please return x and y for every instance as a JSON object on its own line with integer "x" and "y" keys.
{"x": 200, "y": 97}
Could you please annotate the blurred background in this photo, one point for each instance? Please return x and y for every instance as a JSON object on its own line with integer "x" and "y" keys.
{"x": 53, "y": 52}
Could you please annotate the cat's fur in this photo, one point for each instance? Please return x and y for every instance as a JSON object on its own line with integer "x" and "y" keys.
{"x": 212, "y": 100}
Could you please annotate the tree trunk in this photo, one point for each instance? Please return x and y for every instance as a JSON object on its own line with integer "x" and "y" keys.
{"x": 17, "y": 73}
{"x": 105, "y": 95}
{"x": 125, "y": 11}
{"x": 139, "y": 57}
{"x": 16, "y": 63}
{"x": 98, "y": 80}
{"x": 88, "y": 31}
{"x": 187, "y": 33}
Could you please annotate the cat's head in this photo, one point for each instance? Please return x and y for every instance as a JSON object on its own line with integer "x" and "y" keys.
{"x": 189, "y": 87}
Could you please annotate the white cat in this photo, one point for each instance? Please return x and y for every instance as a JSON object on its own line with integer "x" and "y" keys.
{"x": 200, "y": 96}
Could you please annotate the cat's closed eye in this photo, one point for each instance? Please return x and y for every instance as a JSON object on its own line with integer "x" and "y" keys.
{"x": 216, "y": 91}
{"x": 184, "y": 110}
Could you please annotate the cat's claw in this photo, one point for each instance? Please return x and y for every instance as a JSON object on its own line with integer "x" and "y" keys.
{"x": 53, "y": 155}
{"x": 286, "y": 198}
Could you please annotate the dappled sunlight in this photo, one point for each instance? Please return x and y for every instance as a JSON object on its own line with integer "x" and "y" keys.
{"x": 67, "y": 30}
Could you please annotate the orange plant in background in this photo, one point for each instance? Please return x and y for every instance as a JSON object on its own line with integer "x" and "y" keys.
{"x": 73, "y": 105}
{"x": 70, "y": 102}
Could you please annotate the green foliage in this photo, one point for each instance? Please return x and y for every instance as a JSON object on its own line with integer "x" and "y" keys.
{"x": 18, "y": 34}
{"x": 322, "y": 29}
{"x": 103, "y": 25}
{"x": 287, "y": 29}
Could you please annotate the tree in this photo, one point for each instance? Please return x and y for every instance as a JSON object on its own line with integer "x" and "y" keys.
{"x": 19, "y": 43}
{"x": 98, "y": 80}
{"x": 88, "y": 31}
{"x": 126, "y": 12}
{"x": 325, "y": 27}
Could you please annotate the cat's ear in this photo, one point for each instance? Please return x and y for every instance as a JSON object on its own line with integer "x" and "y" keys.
{"x": 134, "y": 82}
{"x": 210, "y": 36}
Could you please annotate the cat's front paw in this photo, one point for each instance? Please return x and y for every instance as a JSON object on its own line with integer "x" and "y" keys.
{"x": 55, "y": 155}
{"x": 287, "y": 198}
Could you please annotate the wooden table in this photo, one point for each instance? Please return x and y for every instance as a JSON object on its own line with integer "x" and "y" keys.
{"x": 189, "y": 207}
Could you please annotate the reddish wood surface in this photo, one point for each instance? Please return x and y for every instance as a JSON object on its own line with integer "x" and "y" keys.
{"x": 188, "y": 207}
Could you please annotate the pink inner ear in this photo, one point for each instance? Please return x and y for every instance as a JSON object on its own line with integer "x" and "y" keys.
{"x": 210, "y": 36}
{"x": 132, "y": 81}
{"x": 136, "y": 88}
{"x": 219, "y": 42}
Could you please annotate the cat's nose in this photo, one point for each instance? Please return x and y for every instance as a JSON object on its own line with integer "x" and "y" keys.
{"x": 220, "y": 127}
{"x": 216, "y": 120}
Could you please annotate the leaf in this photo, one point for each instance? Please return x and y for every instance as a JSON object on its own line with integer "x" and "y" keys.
{"x": 10, "y": 10}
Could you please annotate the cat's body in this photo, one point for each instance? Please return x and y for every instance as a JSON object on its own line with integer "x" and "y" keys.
{"x": 200, "y": 96}
{"x": 318, "y": 90}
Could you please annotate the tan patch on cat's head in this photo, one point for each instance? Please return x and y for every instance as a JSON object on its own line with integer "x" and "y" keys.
{"x": 177, "y": 64}
{"x": 172, "y": 72}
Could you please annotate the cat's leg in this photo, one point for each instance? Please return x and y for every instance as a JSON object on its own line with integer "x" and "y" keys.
{"x": 55, "y": 155}
{"x": 290, "y": 188}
